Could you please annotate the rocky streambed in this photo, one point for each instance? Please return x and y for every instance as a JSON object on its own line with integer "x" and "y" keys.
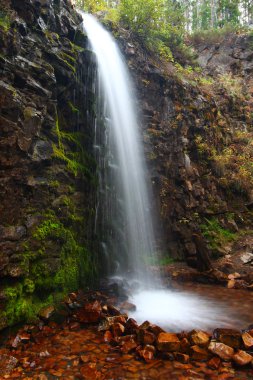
{"x": 90, "y": 338}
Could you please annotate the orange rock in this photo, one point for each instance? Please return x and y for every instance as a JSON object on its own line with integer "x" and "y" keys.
{"x": 90, "y": 373}
{"x": 185, "y": 345}
{"x": 74, "y": 326}
{"x": 46, "y": 312}
{"x": 231, "y": 338}
{"x": 145, "y": 325}
{"x": 145, "y": 337}
{"x": 247, "y": 340}
{"x": 168, "y": 342}
{"x": 147, "y": 353}
{"x": 89, "y": 313}
{"x": 131, "y": 326}
{"x": 112, "y": 310}
{"x": 155, "y": 329}
{"x": 128, "y": 346}
{"x": 214, "y": 363}
{"x": 108, "y": 337}
{"x": 199, "y": 353}
{"x": 24, "y": 337}
{"x": 117, "y": 329}
{"x": 109, "y": 321}
{"x": 182, "y": 358}
{"x": 199, "y": 338}
{"x": 242, "y": 358}
{"x": 222, "y": 350}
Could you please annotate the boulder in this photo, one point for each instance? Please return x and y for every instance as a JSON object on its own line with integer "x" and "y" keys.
{"x": 242, "y": 358}
{"x": 199, "y": 353}
{"x": 168, "y": 342}
{"x": 229, "y": 337}
{"x": 199, "y": 338}
{"x": 147, "y": 353}
{"x": 222, "y": 350}
{"x": 117, "y": 329}
{"x": 247, "y": 340}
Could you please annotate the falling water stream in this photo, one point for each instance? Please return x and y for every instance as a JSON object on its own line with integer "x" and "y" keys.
{"x": 124, "y": 219}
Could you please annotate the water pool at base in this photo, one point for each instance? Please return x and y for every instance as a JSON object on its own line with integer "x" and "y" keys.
{"x": 194, "y": 307}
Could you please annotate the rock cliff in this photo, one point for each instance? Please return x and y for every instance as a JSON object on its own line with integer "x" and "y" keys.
{"x": 47, "y": 176}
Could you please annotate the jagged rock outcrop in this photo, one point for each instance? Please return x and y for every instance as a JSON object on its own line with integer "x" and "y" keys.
{"x": 198, "y": 132}
{"x": 47, "y": 177}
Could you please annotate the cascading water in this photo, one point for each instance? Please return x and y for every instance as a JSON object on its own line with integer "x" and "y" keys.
{"x": 124, "y": 211}
{"x": 123, "y": 216}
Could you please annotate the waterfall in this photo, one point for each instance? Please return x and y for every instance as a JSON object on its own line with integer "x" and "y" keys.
{"x": 124, "y": 219}
{"x": 123, "y": 214}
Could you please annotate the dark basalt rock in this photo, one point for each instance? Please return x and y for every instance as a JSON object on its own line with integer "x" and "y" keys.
{"x": 40, "y": 240}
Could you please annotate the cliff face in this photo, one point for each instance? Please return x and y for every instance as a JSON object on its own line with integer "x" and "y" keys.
{"x": 198, "y": 141}
{"x": 47, "y": 179}
{"x": 198, "y": 133}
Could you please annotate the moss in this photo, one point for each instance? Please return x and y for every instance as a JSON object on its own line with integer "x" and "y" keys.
{"x": 68, "y": 60}
{"x": 72, "y": 107}
{"x": 48, "y": 228}
{"x": 216, "y": 235}
{"x": 77, "y": 161}
{"x": 5, "y": 22}
{"x": 42, "y": 284}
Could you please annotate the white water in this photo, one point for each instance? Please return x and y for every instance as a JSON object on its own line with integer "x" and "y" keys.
{"x": 123, "y": 215}
{"x": 175, "y": 311}
{"x": 124, "y": 196}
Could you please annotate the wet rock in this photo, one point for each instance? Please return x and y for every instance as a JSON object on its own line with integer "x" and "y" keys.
{"x": 214, "y": 363}
{"x": 242, "y": 358}
{"x": 185, "y": 345}
{"x": 89, "y": 313}
{"x": 156, "y": 330}
{"x": 112, "y": 310}
{"x": 182, "y": 358}
{"x": 229, "y": 337}
{"x": 147, "y": 353}
{"x": 24, "y": 337}
{"x": 131, "y": 326}
{"x": 145, "y": 337}
{"x": 15, "y": 270}
{"x": 46, "y": 312}
{"x": 117, "y": 329}
{"x": 145, "y": 325}
{"x": 109, "y": 321}
{"x": 129, "y": 345}
{"x": 199, "y": 353}
{"x": 12, "y": 233}
{"x": 42, "y": 151}
{"x": 222, "y": 350}
{"x": 247, "y": 340}
{"x": 108, "y": 337}
{"x": 7, "y": 364}
{"x": 199, "y": 338}
{"x": 127, "y": 306}
{"x": 247, "y": 257}
{"x": 168, "y": 342}
{"x": 74, "y": 326}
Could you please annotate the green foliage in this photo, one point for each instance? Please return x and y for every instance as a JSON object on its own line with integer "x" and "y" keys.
{"x": 48, "y": 228}
{"x": 216, "y": 235}
{"x": 233, "y": 85}
{"x": 159, "y": 259}
{"x": 158, "y": 24}
{"x": 5, "y": 21}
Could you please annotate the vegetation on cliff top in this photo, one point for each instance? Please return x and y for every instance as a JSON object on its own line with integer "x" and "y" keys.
{"x": 163, "y": 25}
